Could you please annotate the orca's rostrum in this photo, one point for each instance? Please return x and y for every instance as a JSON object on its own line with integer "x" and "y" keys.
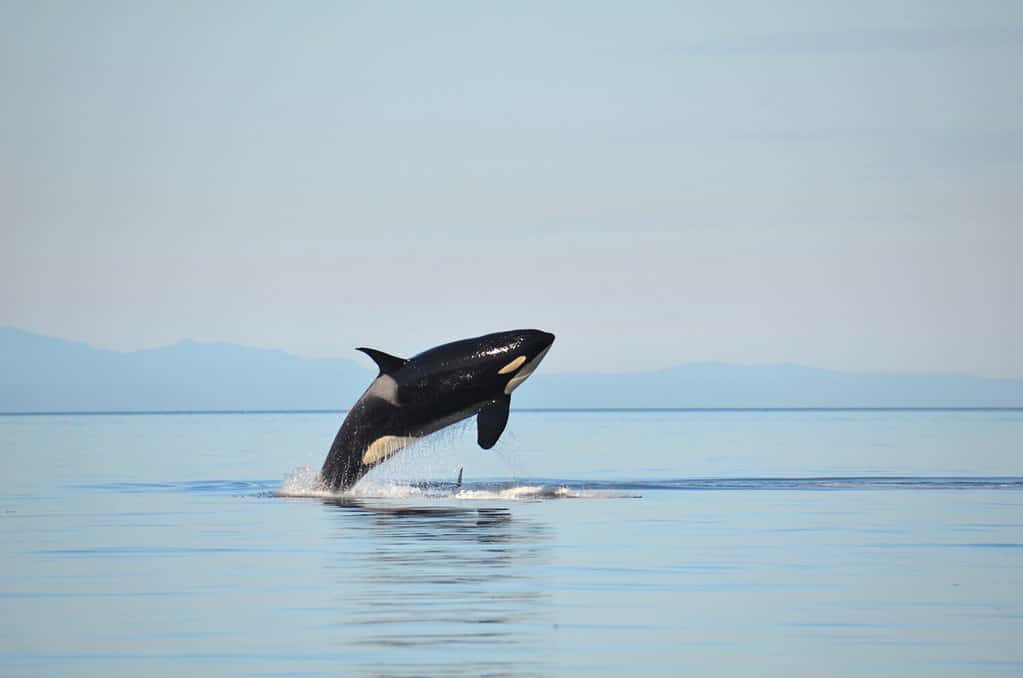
{"x": 414, "y": 397}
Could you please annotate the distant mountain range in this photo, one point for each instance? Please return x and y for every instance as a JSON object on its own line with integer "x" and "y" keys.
{"x": 44, "y": 374}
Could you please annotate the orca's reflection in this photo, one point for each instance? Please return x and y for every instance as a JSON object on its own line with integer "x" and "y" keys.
{"x": 417, "y": 579}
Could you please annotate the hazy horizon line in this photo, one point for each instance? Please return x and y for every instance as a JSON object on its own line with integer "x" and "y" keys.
{"x": 595, "y": 372}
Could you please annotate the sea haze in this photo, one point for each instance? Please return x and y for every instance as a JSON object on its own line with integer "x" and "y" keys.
{"x": 840, "y": 543}
{"x": 43, "y": 374}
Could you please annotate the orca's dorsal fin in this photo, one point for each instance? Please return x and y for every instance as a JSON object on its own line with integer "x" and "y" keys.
{"x": 385, "y": 361}
{"x": 458, "y": 483}
{"x": 490, "y": 422}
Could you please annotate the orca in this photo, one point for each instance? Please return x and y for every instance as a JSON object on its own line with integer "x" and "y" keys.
{"x": 412, "y": 398}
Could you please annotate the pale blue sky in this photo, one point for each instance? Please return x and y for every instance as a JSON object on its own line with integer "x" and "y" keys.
{"x": 834, "y": 184}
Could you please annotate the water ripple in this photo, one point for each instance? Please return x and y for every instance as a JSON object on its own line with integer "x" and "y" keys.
{"x": 558, "y": 488}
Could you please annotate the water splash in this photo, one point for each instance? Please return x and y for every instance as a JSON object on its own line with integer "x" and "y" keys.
{"x": 304, "y": 482}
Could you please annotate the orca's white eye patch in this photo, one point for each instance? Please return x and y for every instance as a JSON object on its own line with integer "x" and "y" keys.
{"x": 513, "y": 365}
{"x": 524, "y": 373}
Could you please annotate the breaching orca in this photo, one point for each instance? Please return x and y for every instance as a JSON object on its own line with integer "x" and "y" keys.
{"x": 413, "y": 398}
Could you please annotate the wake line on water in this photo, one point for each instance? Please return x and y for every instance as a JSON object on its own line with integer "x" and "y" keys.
{"x": 306, "y": 483}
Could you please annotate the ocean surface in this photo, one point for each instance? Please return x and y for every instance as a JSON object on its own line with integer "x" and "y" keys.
{"x": 727, "y": 543}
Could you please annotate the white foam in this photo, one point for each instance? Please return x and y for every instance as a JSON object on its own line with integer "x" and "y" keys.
{"x": 532, "y": 492}
{"x": 370, "y": 490}
{"x": 517, "y": 493}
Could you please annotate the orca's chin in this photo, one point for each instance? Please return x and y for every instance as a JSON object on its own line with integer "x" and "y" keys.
{"x": 526, "y": 370}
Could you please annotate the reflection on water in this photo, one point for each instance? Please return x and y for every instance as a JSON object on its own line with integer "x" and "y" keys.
{"x": 768, "y": 544}
{"x": 459, "y": 586}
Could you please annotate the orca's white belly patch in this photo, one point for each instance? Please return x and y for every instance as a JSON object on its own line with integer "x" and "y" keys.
{"x": 385, "y": 446}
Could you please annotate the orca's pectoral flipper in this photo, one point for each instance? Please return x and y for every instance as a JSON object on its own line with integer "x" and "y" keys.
{"x": 490, "y": 422}
{"x": 385, "y": 361}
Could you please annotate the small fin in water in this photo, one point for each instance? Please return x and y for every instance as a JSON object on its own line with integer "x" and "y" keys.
{"x": 458, "y": 483}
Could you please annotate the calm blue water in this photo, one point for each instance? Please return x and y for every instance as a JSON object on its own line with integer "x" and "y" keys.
{"x": 651, "y": 543}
